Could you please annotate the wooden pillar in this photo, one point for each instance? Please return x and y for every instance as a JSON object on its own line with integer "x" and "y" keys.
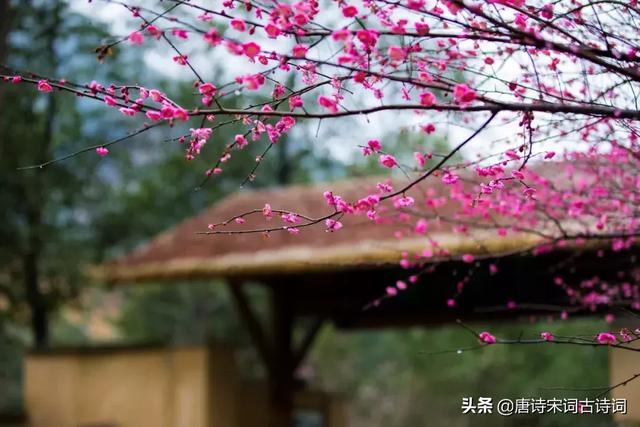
{"x": 281, "y": 378}
{"x": 276, "y": 348}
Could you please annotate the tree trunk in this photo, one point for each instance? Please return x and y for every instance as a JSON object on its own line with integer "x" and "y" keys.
{"x": 5, "y": 21}
{"x": 36, "y": 203}
{"x": 36, "y": 301}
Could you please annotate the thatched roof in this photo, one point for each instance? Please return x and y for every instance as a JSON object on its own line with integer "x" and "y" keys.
{"x": 182, "y": 253}
{"x": 335, "y": 275}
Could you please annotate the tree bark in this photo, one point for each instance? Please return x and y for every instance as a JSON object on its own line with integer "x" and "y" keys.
{"x": 36, "y": 203}
{"x": 36, "y": 301}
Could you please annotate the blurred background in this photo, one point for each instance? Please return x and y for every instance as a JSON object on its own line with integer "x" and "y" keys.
{"x": 56, "y": 222}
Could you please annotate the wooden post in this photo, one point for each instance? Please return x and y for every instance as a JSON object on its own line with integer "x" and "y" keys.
{"x": 276, "y": 349}
{"x": 281, "y": 379}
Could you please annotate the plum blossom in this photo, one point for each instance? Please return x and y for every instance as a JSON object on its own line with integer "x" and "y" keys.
{"x": 156, "y": 95}
{"x": 252, "y": 81}
{"x": 449, "y": 178}
{"x": 171, "y": 112}
{"x": 44, "y": 86}
{"x": 238, "y": 25}
{"x": 404, "y": 202}
{"x": 329, "y": 198}
{"x": 421, "y": 27}
{"x": 272, "y": 31}
{"x": 427, "y": 99}
{"x": 290, "y": 218}
{"x": 341, "y": 35}
{"x": 547, "y": 336}
{"x": 295, "y": 102}
{"x": 267, "y": 211}
{"x": 333, "y": 225}
{"x": 521, "y": 20}
{"x": 136, "y": 38}
{"x": 388, "y": 161}
{"x": 212, "y": 37}
{"x": 201, "y": 133}
{"x": 421, "y": 226}
{"x": 606, "y": 338}
{"x": 396, "y": 53}
{"x": 468, "y": 258}
{"x": 328, "y": 103}
{"x": 368, "y": 38}
{"x": 102, "y": 151}
{"x": 154, "y": 115}
{"x": 154, "y": 31}
{"x": 529, "y": 192}
{"x": 463, "y": 94}
{"x": 487, "y": 338}
{"x": 300, "y": 51}
{"x": 374, "y": 145}
{"x": 349, "y": 11}
{"x": 180, "y": 33}
{"x": 251, "y": 49}
{"x": 429, "y": 128}
{"x": 240, "y": 141}
{"x": 180, "y": 59}
{"x": 207, "y": 89}
{"x": 110, "y": 101}
{"x": 517, "y": 174}
{"x": 128, "y": 111}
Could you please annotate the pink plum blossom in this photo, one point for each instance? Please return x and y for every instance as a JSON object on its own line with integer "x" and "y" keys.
{"x": 102, "y": 151}
{"x": 547, "y": 336}
{"x": 388, "y": 161}
{"x": 487, "y": 338}
{"x": 606, "y": 338}
{"x": 136, "y": 38}
{"x": 44, "y": 86}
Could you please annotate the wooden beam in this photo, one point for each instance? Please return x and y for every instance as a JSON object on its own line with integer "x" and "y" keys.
{"x": 256, "y": 331}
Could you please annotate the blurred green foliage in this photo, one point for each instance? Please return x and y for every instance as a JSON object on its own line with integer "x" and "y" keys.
{"x": 390, "y": 379}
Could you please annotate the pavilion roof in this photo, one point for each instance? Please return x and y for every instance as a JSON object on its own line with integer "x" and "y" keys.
{"x": 181, "y": 253}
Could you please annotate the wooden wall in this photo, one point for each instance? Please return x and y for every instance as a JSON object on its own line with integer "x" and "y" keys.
{"x": 153, "y": 387}
{"x": 623, "y": 365}
{"x": 131, "y": 388}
